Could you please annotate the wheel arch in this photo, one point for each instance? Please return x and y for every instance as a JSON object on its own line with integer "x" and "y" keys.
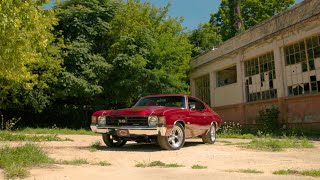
{"x": 215, "y": 124}
{"x": 181, "y": 122}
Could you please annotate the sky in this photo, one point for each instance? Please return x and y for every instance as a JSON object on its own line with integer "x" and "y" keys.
{"x": 193, "y": 11}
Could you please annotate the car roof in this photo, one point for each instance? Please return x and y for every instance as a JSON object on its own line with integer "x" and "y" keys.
{"x": 157, "y": 95}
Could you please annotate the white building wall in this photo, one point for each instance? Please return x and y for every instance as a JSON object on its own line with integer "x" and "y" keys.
{"x": 230, "y": 54}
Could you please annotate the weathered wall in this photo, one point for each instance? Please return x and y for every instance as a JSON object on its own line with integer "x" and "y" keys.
{"x": 300, "y": 111}
{"x": 305, "y": 10}
{"x": 298, "y": 23}
{"x": 228, "y": 94}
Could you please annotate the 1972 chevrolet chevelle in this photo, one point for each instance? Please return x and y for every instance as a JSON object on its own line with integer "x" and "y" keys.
{"x": 167, "y": 119}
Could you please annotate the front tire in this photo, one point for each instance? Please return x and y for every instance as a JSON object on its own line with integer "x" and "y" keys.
{"x": 175, "y": 140}
{"x": 210, "y": 136}
{"x": 110, "y": 141}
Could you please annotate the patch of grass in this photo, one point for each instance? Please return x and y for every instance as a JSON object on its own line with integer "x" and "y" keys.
{"x": 8, "y": 136}
{"x": 250, "y": 171}
{"x": 95, "y": 146}
{"x": 270, "y": 144}
{"x": 313, "y": 173}
{"x": 158, "y": 164}
{"x": 285, "y": 172}
{"x": 16, "y": 160}
{"x": 103, "y": 163}
{"x": 235, "y": 135}
{"x": 74, "y": 162}
{"x": 55, "y": 131}
{"x": 236, "y": 143}
{"x": 197, "y": 166}
{"x": 222, "y": 141}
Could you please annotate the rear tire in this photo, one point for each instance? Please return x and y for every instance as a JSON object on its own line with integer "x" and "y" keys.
{"x": 175, "y": 140}
{"x": 111, "y": 142}
{"x": 210, "y": 136}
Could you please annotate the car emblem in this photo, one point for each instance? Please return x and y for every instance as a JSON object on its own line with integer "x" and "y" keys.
{"x": 122, "y": 121}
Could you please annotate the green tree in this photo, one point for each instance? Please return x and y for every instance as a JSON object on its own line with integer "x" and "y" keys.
{"x": 29, "y": 56}
{"x": 84, "y": 26}
{"x": 252, "y": 12}
{"x": 116, "y": 52}
{"x": 150, "y": 53}
{"x": 204, "y": 38}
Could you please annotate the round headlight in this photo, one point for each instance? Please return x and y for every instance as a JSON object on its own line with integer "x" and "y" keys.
{"x": 102, "y": 120}
{"x": 153, "y": 120}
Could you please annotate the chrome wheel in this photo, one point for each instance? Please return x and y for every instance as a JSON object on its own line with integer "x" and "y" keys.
{"x": 213, "y": 133}
{"x": 210, "y": 136}
{"x": 175, "y": 140}
{"x": 176, "y": 137}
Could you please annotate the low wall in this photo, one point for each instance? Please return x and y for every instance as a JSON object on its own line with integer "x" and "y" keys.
{"x": 298, "y": 111}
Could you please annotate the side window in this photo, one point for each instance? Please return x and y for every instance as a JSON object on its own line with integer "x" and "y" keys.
{"x": 196, "y": 104}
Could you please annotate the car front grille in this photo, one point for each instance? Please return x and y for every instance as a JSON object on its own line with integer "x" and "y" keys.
{"x": 127, "y": 121}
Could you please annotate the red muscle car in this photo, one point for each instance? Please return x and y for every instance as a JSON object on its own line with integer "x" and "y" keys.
{"x": 167, "y": 119}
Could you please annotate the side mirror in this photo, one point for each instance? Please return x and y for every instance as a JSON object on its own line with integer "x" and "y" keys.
{"x": 192, "y": 106}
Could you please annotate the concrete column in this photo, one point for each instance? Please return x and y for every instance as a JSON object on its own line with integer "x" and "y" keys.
{"x": 281, "y": 80}
{"x": 240, "y": 77}
{"x": 213, "y": 85}
{"x": 280, "y": 70}
{"x": 241, "y": 82}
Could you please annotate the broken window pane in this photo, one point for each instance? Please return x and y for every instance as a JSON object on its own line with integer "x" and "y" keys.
{"x": 227, "y": 76}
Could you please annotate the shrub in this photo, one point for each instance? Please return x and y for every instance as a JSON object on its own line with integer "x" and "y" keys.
{"x": 268, "y": 120}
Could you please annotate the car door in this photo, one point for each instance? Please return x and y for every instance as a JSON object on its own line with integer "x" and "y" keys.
{"x": 198, "y": 119}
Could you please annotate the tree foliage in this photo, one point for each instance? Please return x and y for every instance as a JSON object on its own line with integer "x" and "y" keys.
{"x": 118, "y": 52}
{"x": 204, "y": 38}
{"x": 29, "y": 62}
{"x": 252, "y": 12}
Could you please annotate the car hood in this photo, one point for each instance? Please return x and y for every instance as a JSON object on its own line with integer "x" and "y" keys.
{"x": 138, "y": 111}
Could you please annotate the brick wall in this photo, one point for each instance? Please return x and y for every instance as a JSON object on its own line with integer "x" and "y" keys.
{"x": 298, "y": 111}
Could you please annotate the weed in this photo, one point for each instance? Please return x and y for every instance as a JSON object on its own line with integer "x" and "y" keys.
{"x": 278, "y": 144}
{"x": 73, "y": 162}
{"x": 95, "y": 146}
{"x": 268, "y": 120}
{"x": 197, "y": 166}
{"x": 8, "y": 136}
{"x": 236, "y": 144}
{"x": 103, "y": 163}
{"x": 158, "y": 164}
{"x": 285, "y": 172}
{"x": 14, "y": 161}
{"x": 313, "y": 173}
{"x": 252, "y": 171}
{"x": 223, "y": 141}
{"x": 238, "y": 136}
{"x": 55, "y": 131}
{"x": 9, "y": 124}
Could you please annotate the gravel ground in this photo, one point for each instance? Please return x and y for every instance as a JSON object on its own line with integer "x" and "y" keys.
{"x": 220, "y": 158}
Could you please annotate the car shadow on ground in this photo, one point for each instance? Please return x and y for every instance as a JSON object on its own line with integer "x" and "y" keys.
{"x": 139, "y": 147}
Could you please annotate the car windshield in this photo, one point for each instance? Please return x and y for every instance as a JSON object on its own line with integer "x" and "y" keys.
{"x": 168, "y": 101}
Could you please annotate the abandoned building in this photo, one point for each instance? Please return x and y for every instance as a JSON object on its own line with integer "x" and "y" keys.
{"x": 276, "y": 62}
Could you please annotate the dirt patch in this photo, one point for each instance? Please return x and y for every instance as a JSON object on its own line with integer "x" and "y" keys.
{"x": 220, "y": 158}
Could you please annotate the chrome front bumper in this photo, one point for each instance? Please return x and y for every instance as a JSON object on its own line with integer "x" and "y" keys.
{"x": 132, "y": 130}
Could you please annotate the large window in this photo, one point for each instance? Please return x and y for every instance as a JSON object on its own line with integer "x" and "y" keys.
{"x": 227, "y": 76}
{"x": 302, "y": 69}
{"x": 203, "y": 88}
{"x": 259, "y": 78}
